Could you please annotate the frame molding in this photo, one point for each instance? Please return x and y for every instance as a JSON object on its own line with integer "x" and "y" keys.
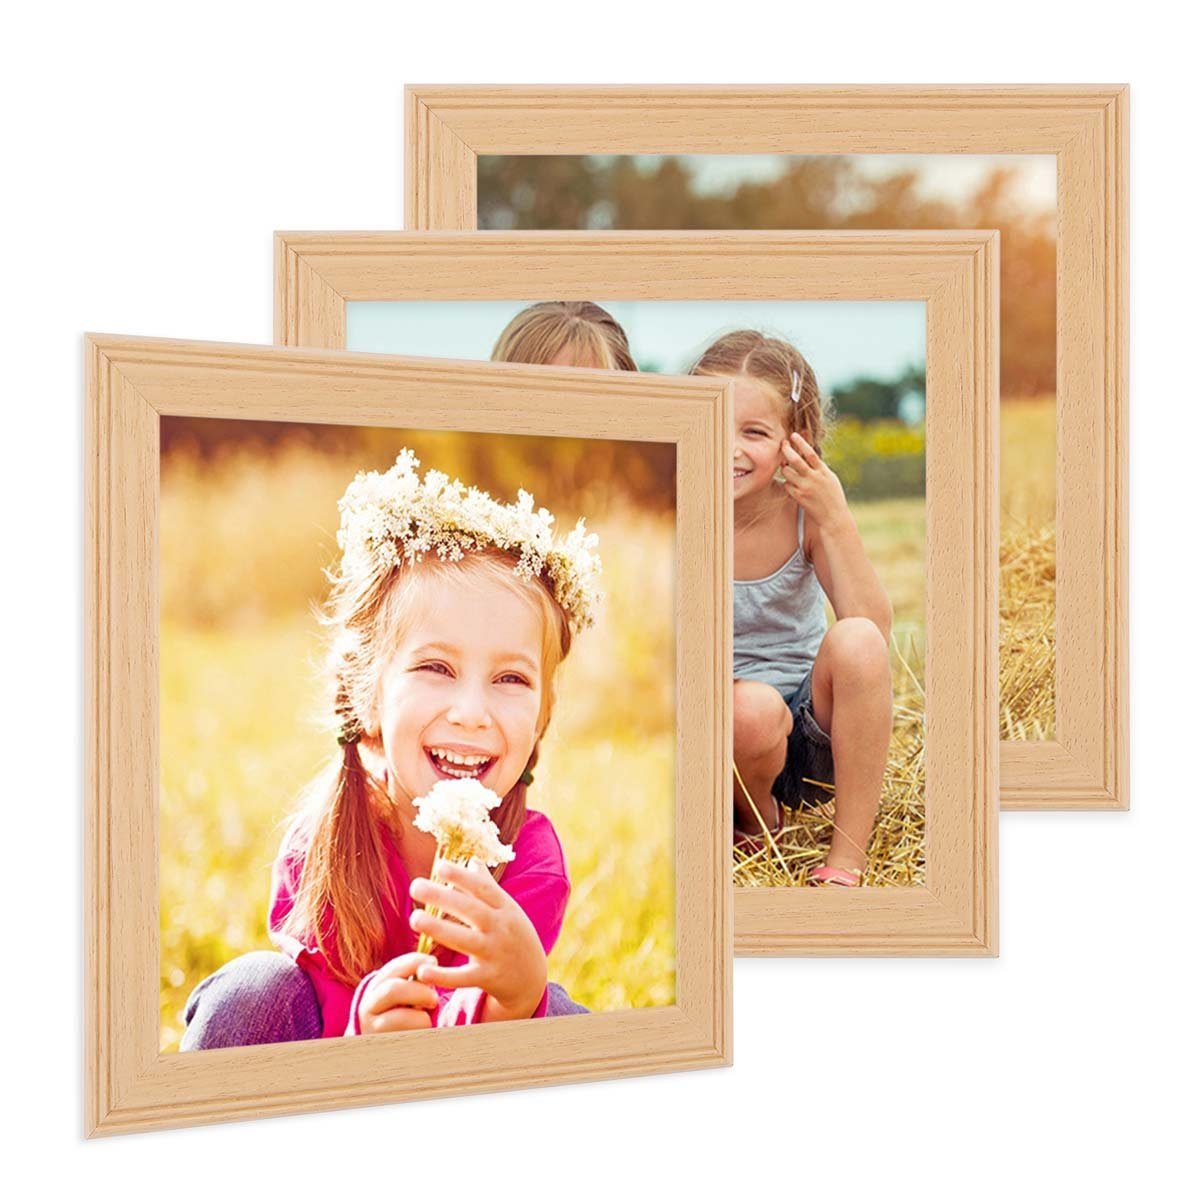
{"x": 1086, "y": 127}
{"x": 956, "y": 274}
{"x": 131, "y": 382}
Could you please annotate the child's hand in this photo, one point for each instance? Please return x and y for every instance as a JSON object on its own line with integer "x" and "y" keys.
{"x": 505, "y": 955}
{"x": 394, "y": 1000}
{"x": 811, "y": 483}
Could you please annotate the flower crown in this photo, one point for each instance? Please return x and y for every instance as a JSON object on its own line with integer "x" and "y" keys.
{"x": 398, "y": 518}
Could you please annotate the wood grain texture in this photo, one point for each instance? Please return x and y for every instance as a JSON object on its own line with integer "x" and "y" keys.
{"x": 1087, "y": 128}
{"x": 956, "y": 275}
{"x": 131, "y": 382}
{"x": 440, "y": 153}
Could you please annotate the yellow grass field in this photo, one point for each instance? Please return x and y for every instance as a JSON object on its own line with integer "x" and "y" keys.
{"x": 1027, "y": 456}
{"x": 1027, "y": 569}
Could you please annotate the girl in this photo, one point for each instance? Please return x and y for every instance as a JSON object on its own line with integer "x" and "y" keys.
{"x": 811, "y": 704}
{"x": 565, "y": 333}
{"x": 450, "y": 614}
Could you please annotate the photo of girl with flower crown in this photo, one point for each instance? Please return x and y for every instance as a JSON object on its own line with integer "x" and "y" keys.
{"x": 415, "y": 884}
{"x": 828, "y": 548}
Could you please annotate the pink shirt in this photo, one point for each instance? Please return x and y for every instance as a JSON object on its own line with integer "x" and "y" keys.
{"x": 536, "y": 879}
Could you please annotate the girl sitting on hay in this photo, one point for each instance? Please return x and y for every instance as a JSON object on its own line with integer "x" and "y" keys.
{"x": 811, "y": 704}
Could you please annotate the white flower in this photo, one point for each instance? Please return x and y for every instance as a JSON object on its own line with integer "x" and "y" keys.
{"x": 455, "y": 812}
{"x": 398, "y": 518}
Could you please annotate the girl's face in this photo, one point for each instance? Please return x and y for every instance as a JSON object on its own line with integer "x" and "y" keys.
{"x": 462, "y": 694}
{"x": 758, "y": 433}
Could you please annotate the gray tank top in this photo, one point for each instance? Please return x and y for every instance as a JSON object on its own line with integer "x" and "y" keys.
{"x": 778, "y": 622}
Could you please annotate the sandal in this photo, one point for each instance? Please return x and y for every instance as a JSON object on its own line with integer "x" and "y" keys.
{"x": 753, "y": 843}
{"x": 827, "y": 876}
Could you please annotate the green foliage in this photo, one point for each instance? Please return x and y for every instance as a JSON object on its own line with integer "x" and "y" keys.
{"x": 877, "y": 459}
{"x": 871, "y": 399}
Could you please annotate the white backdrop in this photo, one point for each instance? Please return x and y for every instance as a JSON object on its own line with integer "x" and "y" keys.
{"x": 149, "y": 152}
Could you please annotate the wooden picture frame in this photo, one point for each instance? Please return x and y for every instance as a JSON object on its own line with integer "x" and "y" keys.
{"x": 955, "y": 275}
{"x": 131, "y": 384}
{"x": 1086, "y": 127}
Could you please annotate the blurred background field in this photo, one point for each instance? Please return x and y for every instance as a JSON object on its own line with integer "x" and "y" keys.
{"x": 249, "y": 520}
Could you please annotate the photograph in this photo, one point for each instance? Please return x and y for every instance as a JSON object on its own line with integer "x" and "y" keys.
{"x": 405, "y": 758}
{"x": 829, "y": 530}
{"x": 399, "y": 647}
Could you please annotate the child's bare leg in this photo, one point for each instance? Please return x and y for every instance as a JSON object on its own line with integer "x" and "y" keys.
{"x": 761, "y": 724}
{"x": 852, "y": 702}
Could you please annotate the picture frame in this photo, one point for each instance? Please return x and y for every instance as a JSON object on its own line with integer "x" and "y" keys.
{"x": 954, "y": 274}
{"x": 1086, "y": 128}
{"x": 132, "y": 385}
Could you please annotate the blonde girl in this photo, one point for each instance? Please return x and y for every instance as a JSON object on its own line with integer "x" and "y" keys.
{"x": 449, "y": 615}
{"x": 812, "y": 704}
{"x": 565, "y": 333}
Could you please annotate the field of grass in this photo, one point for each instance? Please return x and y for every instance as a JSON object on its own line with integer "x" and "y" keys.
{"x": 1027, "y": 569}
{"x": 1027, "y": 458}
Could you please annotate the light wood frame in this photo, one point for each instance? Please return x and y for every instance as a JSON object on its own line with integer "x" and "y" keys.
{"x": 131, "y": 383}
{"x": 1086, "y": 765}
{"x": 955, "y": 274}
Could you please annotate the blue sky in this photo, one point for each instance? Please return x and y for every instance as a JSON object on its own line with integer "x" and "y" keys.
{"x": 841, "y": 339}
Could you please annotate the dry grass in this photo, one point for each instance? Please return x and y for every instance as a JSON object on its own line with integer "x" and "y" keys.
{"x": 1027, "y": 460}
{"x": 1027, "y": 569}
{"x": 1027, "y": 572}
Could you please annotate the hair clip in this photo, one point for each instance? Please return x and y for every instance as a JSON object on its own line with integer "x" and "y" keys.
{"x": 795, "y": 388}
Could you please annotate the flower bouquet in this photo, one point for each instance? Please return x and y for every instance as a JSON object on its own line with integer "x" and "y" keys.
{"x": 456, "y": 812}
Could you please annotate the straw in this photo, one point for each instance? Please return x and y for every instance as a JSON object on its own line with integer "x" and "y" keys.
{"x": 1027, "y": 575}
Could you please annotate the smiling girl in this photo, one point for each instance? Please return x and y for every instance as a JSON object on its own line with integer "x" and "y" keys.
{"x": 812, "y": 703}
{"x": 450, "y": 614}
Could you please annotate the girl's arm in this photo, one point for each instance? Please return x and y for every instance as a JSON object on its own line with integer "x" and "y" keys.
{"x": 834, "y": 545}
{"x": 847, "y": 577}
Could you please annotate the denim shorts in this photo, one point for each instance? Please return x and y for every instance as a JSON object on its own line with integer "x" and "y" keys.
{"x": 809, "y": 755}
